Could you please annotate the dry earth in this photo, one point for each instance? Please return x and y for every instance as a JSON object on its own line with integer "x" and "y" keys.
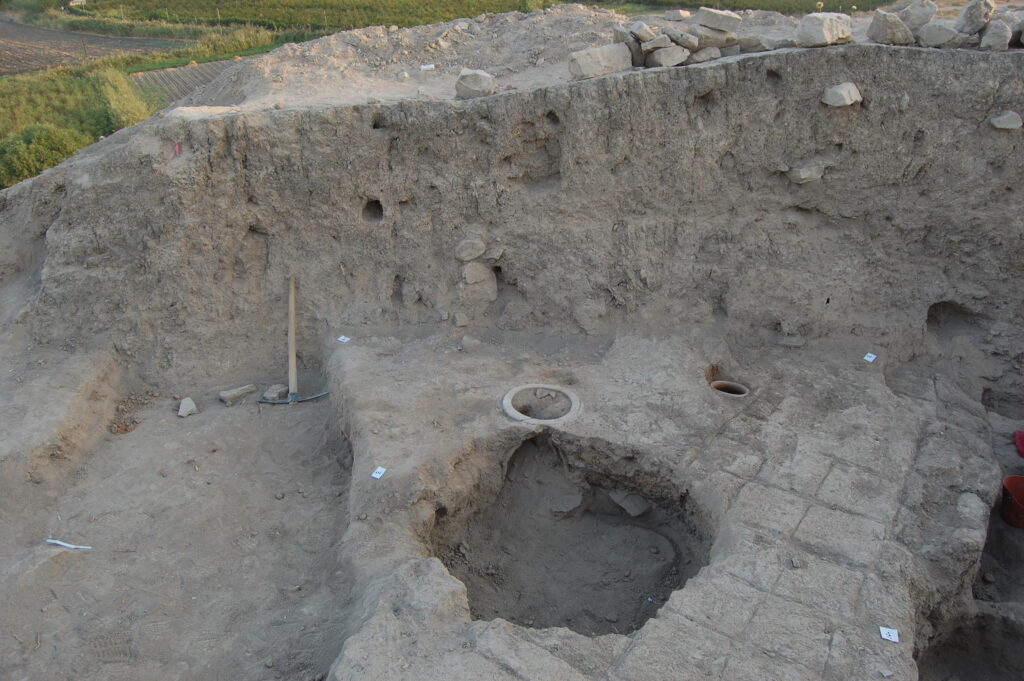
{"x": 618, "y": 245}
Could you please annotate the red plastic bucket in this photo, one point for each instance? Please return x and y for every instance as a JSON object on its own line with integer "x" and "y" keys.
{"x": 1018, "y": 439}
{"x": 1013, "y": 500}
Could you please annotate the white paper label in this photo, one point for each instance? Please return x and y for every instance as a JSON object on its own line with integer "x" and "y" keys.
{"x": 889, "y": 634}
{"x": 378, "y": 472}
{"x": 343, "y": 339}
{"x": 870, "y": 357}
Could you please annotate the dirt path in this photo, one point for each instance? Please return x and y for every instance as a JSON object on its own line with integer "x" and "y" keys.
{"x": 213, "y": 554}
{"x": 25, "y": 48}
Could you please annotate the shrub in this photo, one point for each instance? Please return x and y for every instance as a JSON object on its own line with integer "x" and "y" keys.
{"x": 35, "y": 149}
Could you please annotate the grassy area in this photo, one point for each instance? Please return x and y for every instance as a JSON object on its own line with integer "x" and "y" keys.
{"x": 46, "y": 117}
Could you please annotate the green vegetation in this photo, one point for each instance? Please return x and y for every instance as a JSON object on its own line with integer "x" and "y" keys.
{"x": 77, "y": 107}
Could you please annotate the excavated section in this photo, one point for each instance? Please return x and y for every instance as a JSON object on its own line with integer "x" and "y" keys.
{"x": 554, "y": 550}
{"x": 670, "y": 199}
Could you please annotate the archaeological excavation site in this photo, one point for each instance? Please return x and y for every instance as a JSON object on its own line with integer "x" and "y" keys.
{"x": 549, "y": 346}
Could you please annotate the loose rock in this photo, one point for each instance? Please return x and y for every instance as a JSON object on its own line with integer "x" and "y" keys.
{"x": 917, "y": 14}
{"x": 682, "y": 39}
{"x": 470, "y": 249}
{"x": 656, "y": 44}
{"x": 473, "y": 83}
{"x": 278, "y": 391}
{"x": 939, "y": 34}
{"x": 723, "y": 20}
{"x": 888, "y": 29}
{"x": 707, "y": 54}
{"x": 843, "y": 94}
{"x": 1008, "y": 120}
{"x": 730, "y": 50}
{"x": 600, "y": 61}
{"x": 808, "y": 173}
{"x": 996, "y": 36}
{"x": 676, "y": 15}
{"x": 623, "y": 35}
{"x": 712, "y": 37}
{"x": 232, "y": 397}
{"x": 475, "y": 272}
{"x": 764, "y": 43}
{"x": 824, "y": 28}
{"x": 643, "y": 32}
{"x": 187, "y": 407}
{"x": 668, "y": 56}
{"x": 975, "y": 16}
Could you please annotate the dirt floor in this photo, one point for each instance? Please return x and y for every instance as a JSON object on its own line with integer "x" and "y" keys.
{"x": 213, "y": 553}
{"x": 552, "y": 550}
{"x": 25, "y": 48}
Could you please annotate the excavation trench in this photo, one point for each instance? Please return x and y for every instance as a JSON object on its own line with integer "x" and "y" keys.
{"x": 564, "y": 546}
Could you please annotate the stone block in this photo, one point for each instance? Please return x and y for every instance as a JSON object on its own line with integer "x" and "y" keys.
{"x": 1008, "y": 120}
{"x": 278, "y": 391}
{"x": 600, "y": 61}
{"x": 712, "y": 37}
{"x": 656, "y": 44}
{"x": 888, "y": 29}
{"x": 824, "y": 28}
{"x": 996, "y": 36}
{"x": 843, "y": 94}
{"x": 682, "y": 39}
{"x": 810, "y": 172}
{"x": 801, "y": 471}
{"x": 939, "y": 34}
{"x": 701, "y": 56}
{"x": 764, "y": 43}
{"x": 642, "y": 31}
{"x": 716, "y": 600}
{"x": 475, "y": 83}
{"x": 793, "y": 632}
{"x": 857, "y": 490}
{"x": 917, "y": 14}
{"x": 768, "y": 507}
{"x": 975, "y": 16}
{"x": 676, "y": 15}
{"x": 187, "y": 407}
{"x": 234, "y": 396}
{"x": 821, "y": 583}
{"x": 668, "y": 56}
{"x": 841, "y": 534}
{"x": 624, "y": 36}
{"x": 723, "y": 20}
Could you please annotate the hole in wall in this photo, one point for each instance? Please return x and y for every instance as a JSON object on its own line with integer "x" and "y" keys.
{"x": 373, "y": 211}
{"x": 553, "y": 118}
{"x": 718, "y": 380}
{"x": 730, "y": 388}
{"x": 378, "y": 121}
{"x": 563, "y": 545}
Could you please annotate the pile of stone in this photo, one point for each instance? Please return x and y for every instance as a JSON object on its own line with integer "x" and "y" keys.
{"x": 707, "y": 34}
{"x": 979, "y": 25}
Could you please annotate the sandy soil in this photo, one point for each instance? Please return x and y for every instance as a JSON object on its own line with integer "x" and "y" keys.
{"x": 212, "y": 553}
